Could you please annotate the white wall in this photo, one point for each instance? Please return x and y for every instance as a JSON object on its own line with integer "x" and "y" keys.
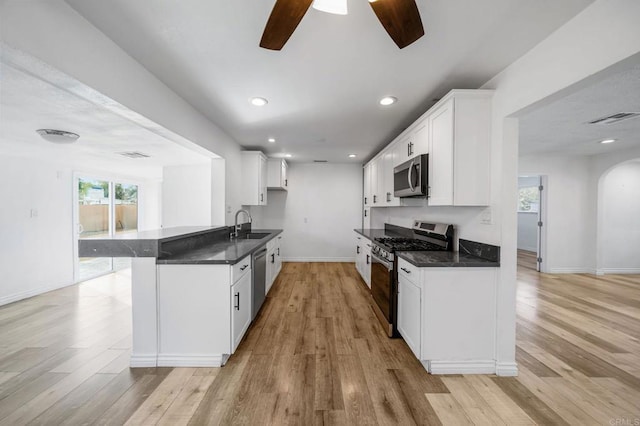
{"x": 318, "y": 213}
{"x": 621, "y": 219}
{"x": 186, "y": 195}
{"x": 570, "y": 214}
{"x": 558, "y": 65}
{"x": 37, "y": 253}
{"x": 528, "y": 231}
{"x": 54, "y": 33}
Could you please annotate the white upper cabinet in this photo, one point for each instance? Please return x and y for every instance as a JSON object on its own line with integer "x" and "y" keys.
{"x": 254, "y": 178}
{"x": 277, "y": 174}
{"x": 459, "y": 149}
{"x": 414, "y": 142}
{"x": 367, "y": 186}
{"x": 387, "y": 171}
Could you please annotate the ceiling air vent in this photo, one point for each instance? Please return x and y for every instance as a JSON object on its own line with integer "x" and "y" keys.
{"x": 319, "y": 161}
{"x": 611, "y": 119}
{"x": 134, "y": 154}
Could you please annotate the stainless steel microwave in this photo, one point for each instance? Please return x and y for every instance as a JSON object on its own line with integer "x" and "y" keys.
{"x": 410, "y": 178}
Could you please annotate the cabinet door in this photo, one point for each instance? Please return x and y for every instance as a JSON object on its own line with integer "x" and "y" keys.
{"x": 441, "y": 156}
{"x": 263, "y": 181}
{"x": 367, "y": 263}
{"x": 367, "y": 185}
{"x": 240, "y": 309}
{"x": 271, "y": 269}
{"x": 409, "y": 311}
{"x": 420, "y": 140}
{"x": 389, "y": 160}
{"x": 359, "y": 251}
{"x": 403, "y": 149}
{"x": 381, "y": 188}
{"x": 373, "y": 182}
{"x": 278, "y": 257}
{"x": 284, "y": 178}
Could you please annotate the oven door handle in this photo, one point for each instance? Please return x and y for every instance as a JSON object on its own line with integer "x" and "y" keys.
{"x": 385, "y": 262}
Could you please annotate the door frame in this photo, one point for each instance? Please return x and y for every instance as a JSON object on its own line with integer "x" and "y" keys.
{"x": 112, "y": 179}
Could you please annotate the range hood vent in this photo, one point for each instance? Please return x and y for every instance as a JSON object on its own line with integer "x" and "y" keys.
{"x": 134, "y": 154}
{"x": 615, "y": 118}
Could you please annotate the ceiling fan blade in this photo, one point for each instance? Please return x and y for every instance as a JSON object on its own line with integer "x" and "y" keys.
{"x": 284, "y": 18}
{"x": 400, "y": 18}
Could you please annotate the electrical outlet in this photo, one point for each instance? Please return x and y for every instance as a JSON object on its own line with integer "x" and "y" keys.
{"x": 305, "y": 220}
{"x": 487, "y": 217}
{"x": 229, "y": 208}
{"x": 33, "y": 213}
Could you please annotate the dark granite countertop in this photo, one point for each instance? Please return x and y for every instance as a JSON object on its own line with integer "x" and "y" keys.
{"x": 434, "y": 259}
{"x": 142, "y": 244}
{"x": 226, "y": 251}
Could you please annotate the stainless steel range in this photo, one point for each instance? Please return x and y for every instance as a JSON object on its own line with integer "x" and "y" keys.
{"x": 384, "y": 265}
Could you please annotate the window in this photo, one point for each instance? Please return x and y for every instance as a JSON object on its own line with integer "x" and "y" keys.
{"x": 528, "y": 199}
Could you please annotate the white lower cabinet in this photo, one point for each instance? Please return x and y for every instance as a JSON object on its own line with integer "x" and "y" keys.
{"x": 363, "y": 258}
{"x": 447, "y": 317}
{"x": 203, "y": 312}
{"x": 240, "y": 309}
{"x": 409, "y": 312}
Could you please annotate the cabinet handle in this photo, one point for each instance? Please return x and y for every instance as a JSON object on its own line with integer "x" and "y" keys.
{"x": 406, "y": 270}
{"x": 273, "y": 258}
{"x": 409, "y": 149}
{"x": 237, "y": 305}
{"x": 261, "y": 197}
{"x": 244, "y": 267}
{"x": 365, "y": 200}
{"x": 367, "y": 259}
{"x": 374, "y": 199}
{"x": 357, "y": 249}
{"x": 278, "y": 251}
{"x": 365, "y": 213}
{"x": 286, "y": 182}
{"x": 388, "y": 197}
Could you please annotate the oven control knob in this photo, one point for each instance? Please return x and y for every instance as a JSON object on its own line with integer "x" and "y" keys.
{"x": 384, "y": 253}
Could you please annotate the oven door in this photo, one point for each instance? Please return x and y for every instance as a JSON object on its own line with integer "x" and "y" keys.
{"x": 383, "y": 291}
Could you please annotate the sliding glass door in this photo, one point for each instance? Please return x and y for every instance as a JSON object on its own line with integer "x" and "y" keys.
{"x": 103, "y": 208}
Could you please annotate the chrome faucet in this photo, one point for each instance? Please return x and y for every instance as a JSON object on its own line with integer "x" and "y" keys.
{"x": 237, "y": 227}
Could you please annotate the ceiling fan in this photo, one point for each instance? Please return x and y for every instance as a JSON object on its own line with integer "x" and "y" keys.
{"x": 400, "y": 18}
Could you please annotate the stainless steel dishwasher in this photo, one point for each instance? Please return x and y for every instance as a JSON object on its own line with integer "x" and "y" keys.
{"x": 259, "y": 272}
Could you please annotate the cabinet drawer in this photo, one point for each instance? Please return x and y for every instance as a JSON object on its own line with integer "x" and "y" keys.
{"x": 409, "y": 271}
{"x": 239, "y": 269}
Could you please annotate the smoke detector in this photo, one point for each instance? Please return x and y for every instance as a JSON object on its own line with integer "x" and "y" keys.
{"x": 58, "y": 136}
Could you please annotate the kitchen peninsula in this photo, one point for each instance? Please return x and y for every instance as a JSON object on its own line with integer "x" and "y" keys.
{"x": 192, "y": 290}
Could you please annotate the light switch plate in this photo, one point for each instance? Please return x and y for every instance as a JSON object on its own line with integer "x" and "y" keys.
{"x": 487, "y": 217}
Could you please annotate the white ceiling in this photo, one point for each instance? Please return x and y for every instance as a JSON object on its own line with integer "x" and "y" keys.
{"x": 562, "y": 126}
{"x": 28, "y": 103}
{"x": 323, "y": 87}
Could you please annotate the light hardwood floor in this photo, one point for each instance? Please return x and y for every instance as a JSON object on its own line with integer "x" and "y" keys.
{"x": 316, "y": 355}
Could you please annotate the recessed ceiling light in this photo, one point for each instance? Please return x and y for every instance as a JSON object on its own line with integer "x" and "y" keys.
{"x": 271, "y": 140}
{"x": 352, "y": 156}
{"x": 388, "y": 100}
{"x": 288, "y": 155}
{"x": 58, "y": 136}
{"x": 259, "y": 101}
{"x": 608, "y": 141}
{"x": 337, "y": 7}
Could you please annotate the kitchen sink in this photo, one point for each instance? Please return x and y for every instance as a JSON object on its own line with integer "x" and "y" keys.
{"x": 255, "y": 235}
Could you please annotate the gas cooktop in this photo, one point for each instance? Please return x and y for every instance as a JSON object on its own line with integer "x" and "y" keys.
{"x": 408, "y": 244}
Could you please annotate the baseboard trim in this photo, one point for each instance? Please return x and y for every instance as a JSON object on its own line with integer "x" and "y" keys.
{"x": 506, "y": 369}
{"x": 319, "y": 259}
{"x": 5, "y": 300}
{"x": 143, "y": 360}
{"x": 460, "y": 367}
{"x": 174, "y": 360}
{"x": 572, "y": 271}
{"x": 605, "y": 271}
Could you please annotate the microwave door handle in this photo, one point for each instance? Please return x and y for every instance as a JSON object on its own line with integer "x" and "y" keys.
{"x": 410, "y": 176}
